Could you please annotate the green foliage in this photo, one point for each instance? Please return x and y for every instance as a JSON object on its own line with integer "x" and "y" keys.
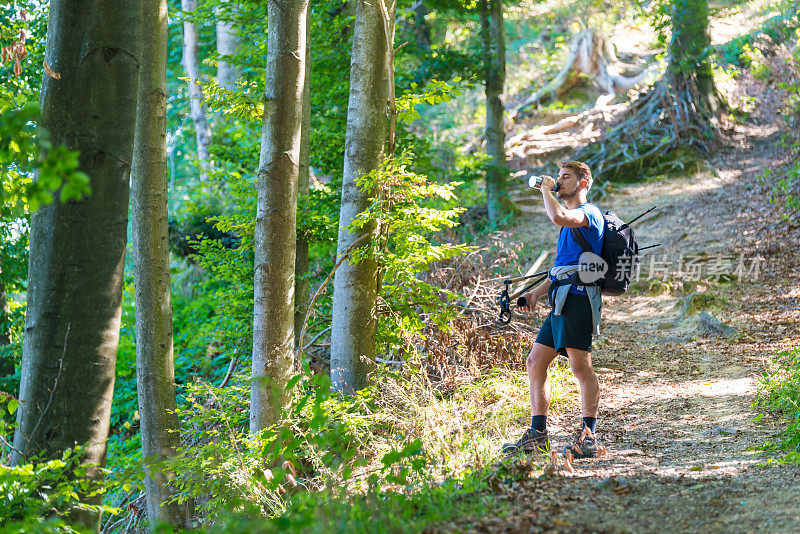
{"x": 403, "y": 247}
{"x": 434, "y": 92}
{"x": 22, "y": 151}
{"x": 753, "y": 58}
{"x": 38, "y": 495}
{"x": 25, "y": 150}
{"x": 779, "y": 391}
{"x": 320, "y": 470}
{"x": 783, "y": 182}
{"x": 13, "y": 324}
{"x": 784, "y": 187}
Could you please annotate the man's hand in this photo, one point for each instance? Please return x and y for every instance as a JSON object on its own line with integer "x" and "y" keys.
{"x": 548, "y": 183}
{"x": 531, "y": 300}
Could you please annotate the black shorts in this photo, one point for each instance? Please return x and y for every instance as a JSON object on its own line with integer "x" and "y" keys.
{"x": 573, "y": 328}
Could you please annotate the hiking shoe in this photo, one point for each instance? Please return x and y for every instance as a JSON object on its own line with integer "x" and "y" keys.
{"x": 531, "y": 441}
{"x": 585, "y": 445}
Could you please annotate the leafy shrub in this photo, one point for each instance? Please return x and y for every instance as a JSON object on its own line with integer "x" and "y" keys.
{"x": 779, "y": 391}
{"x": 403, "y": 247}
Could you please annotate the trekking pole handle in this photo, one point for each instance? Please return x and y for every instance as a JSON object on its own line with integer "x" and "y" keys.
{"x": 526, "y": 289}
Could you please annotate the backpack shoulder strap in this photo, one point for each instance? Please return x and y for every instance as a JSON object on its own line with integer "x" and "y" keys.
{"x": 581, "y": 239}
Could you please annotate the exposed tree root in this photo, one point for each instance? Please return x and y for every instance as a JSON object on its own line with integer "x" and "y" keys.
{"x": 539, "y": 146}
{"x": 658, "y": 122}
{"x": 592, "y": 54}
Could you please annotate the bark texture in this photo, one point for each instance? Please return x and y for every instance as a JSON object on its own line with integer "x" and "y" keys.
{"x": 77, "y": 249}
{"x": 191, "y": 64}
{"x": 276, "y": 223}
{"x": 154, "y": 358}
{"x": 227, "y": 44}
{"x": 301, "y": 256}
{"x": 355, "y": 285}
{"x": 495, "y": 74}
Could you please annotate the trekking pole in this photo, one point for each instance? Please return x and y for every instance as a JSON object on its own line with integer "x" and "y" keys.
{"x": 650, "y": 246}
{"x": 640, "y": 216}
{"x": 516, "y": 279}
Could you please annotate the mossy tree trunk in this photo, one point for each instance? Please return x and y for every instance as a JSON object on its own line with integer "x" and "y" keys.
{"x": 689, "y": 65}
{"x": 275, "y": 236}
{"x": 77, "y": 250}
{"x": 155, "y": 370}
{"x": 494, "y": 51}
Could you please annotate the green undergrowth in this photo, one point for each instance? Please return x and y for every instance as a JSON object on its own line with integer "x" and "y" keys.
{"x": 403, "y": 453}
{"x": 779, "y": 391}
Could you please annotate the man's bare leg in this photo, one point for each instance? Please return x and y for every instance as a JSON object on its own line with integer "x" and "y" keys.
{"x": 537, "y": 363}
{"x": 581, "y": 363}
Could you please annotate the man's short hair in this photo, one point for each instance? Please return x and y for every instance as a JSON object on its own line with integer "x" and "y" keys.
{"x": 582, "y": 171}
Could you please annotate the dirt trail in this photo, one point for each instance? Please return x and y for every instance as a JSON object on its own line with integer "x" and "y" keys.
{"x": 676, "y": 404}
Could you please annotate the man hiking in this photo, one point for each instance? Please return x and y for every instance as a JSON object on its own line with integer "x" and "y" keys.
{"x": 568, "y": 328}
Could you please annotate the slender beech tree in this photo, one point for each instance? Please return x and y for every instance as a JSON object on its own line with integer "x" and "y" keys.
{"x": 301, "y": 256}
{"x": 275, "y": 235}
{"x": 191, "y": 64}
{"x": 77, "y": 250}
{"x": 154, "y": 360}
{"x": 227, "y": 44}
{"x": 494, "y": 50}
{"x": 5, "y": 338}
{"x": 355, "y": 285}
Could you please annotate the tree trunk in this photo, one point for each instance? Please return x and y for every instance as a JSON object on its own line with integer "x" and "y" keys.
{"x": 355, "y": 285}
{"x": 276, "y": 223}
{"x": 77, "y": 249}
{"x": 688, "y": 60}
{"x": 227, "y": 44}
{"x": 495, "y": 65}
{"x": 422, "y": 30}
{"x": 5, "y": 337}
{"x": 154, "y": 360}
{"x": 681, "y": 110}
{"x": 301, "y": 256}
{"x": 191, "y": 64}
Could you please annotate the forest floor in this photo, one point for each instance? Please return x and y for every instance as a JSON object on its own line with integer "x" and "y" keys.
{"x": 676, "y": 411}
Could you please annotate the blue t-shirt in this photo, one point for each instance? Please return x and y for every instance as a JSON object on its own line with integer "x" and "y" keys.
{"x": 569, "y": 251}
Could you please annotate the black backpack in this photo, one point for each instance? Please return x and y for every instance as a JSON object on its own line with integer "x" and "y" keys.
{"x": 620, "y": 251}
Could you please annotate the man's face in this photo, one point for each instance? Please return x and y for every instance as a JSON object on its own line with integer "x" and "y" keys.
{"x": 568, "y": 184}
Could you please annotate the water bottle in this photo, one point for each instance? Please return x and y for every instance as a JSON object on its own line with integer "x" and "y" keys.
{"x": 535, "y": 182}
